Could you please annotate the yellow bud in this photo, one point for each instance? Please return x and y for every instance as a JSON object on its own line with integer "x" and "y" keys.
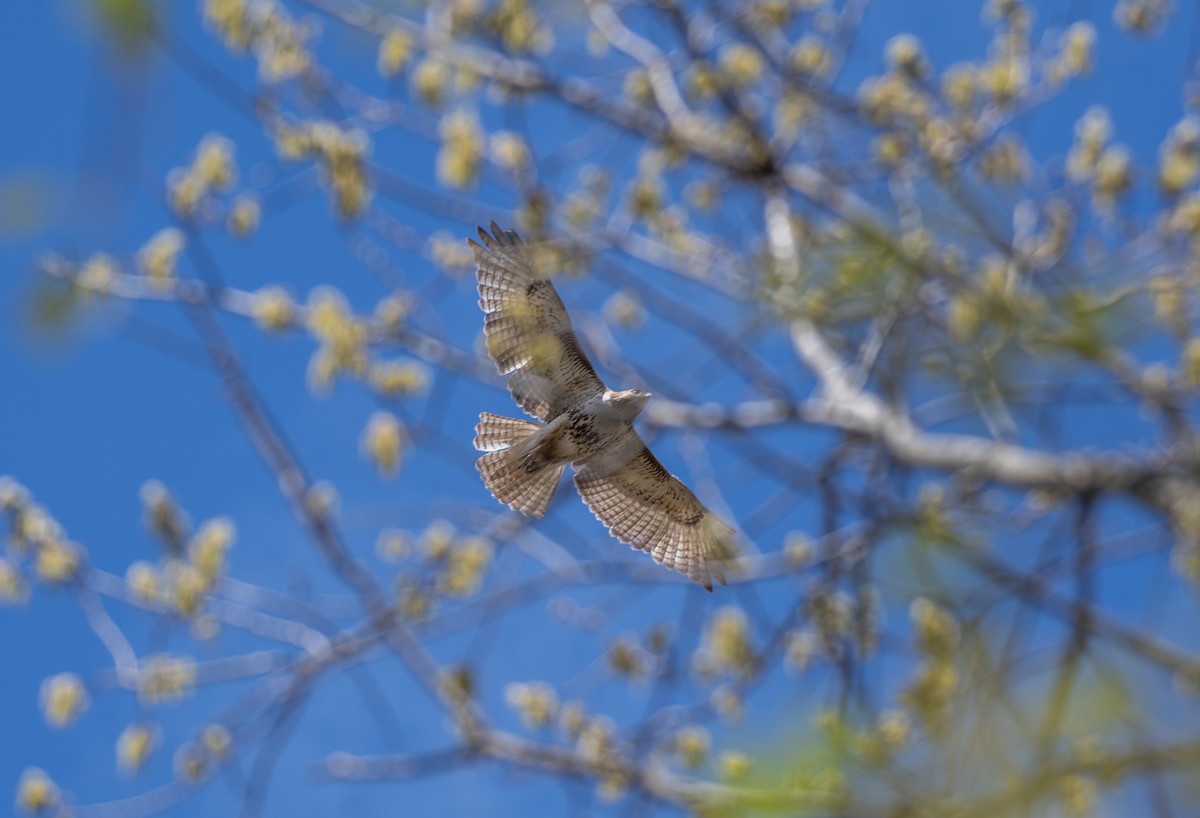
{"x": 395, "y": 52}
{"x": 734, "y": 767}
{"x": 216, "y": 740}
{"x": 157, "y": 257}
{"x": 244, "y": 216}
{"x": 1190, "y": 363}
{"x": 741, "y": 64}
{"x": 143, "y": 582}
{"x": 214, "y": 163}
{"x": 13, "y": 588}
{"x": 63, "y": 698}
{"x": 135, "y": 745}
{"x": 97, "y": 274}
{"x": 393, "y": 545}
{"x": 692, "y": 744}
{"x": 36, "y": 793}
{"x": 191, "y": 764}
{"x": 58, "y": 561}
{"x": 535, "y": 702}
{"x": 904, "y": 54}
{"x": 383, "y": 441}
{"x": 624, "y": 309}
{"x": 395, "y": 378}
{"x": 273, "y": 309}
{"x": 165, "y": 678}
{"x": 429, "y": 80}
{"x": 509, "y": 151}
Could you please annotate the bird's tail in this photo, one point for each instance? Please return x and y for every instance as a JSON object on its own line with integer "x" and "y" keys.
{"x": 514, "y": 478}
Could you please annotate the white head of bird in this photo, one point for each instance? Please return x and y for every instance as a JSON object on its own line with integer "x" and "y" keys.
{"x": 626, "y": 404}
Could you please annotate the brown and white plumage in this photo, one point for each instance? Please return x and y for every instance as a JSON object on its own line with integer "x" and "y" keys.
{"x": 530, "y": 337}
{"x": 646, "y": 506}
{"x": 529, "y": 334}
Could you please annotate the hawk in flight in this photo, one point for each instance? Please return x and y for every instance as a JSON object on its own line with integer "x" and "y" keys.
{"x": 583, "y": 423}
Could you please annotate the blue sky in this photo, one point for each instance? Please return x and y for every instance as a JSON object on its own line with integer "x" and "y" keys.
{"x": 90, "y": 414}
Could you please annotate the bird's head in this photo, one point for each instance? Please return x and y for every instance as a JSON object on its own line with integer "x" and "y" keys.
{"x": 627, "y": 403}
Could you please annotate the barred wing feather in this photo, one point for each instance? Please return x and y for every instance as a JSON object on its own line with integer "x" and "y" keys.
{"x": 646, "y": 506}
{"x": 528, "y": 332}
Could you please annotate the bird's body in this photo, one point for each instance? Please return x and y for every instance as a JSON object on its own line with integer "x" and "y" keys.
{"x": 530, "y": 337}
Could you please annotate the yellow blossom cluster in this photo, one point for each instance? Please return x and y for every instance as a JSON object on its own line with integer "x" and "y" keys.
{"x": 274, "y": 310}
{"x": 1093, "y": 160}
{"x": 450, "y": 253}
{"x": 322, "y": 499}
{"x": 208, "y": 547}
{"x": 244, "y": 215}
{"x": 457, "y": 562}
{"x": 464, "y": 565}
{"x": 192, "y": 565}
{"x": 1179, "y": 157}
{"x": 585, "y": 204}
{"x": 165, "y": 678}
{"x": 398, "y": 378}
{"x": 63, "y": 699}
{"x": 994, "y": 303}
{"x": 383, "y": 442}
{"x": 627, "y": 658}
{"x": 196, "y": 760}
{"x": 905, "y": 55}
{"x": 700, "y": 82}
{"x": 163, "y": 517}
{"x": 392, "y": 309}
{"x": 157, "y": 258}
{"x": 832, "y": 615}
{"x": 624, "y": 309}
{"x": 535, "y": 702}
{"x": 1141, "y": 16}
{"x": 279, "y": 42}
{"x": 430, "y": 81}
{"x": 930, "y": 692}
{"x": 646, "y": 196}
{"x": 692, "y": 745}
{"x": 37, "y": 538}
{"x": 182, "y": 583}
{"x": 1004, "y": 160}
{"x": 13, "y": 588}
{"x": 893, "y": 99}
{"x": 396, "y": 50}
{"x": 393, "y": 545}
{"x": 725, "y": 647}
{"x": 462, "y": 150}
{"x": 341, "y": 339}
{"x": 891, "y": 732}
{"x": 1075, "y": 55}
{"x": 211, "y": 171}
{"x": 509, "y": 151}
{"x": 740, "y": 64}
{"x": 341, "y": 156}
{"x": 802, "y": 648}
{"x": 97, "y": 274}
{"x": 810, "y": 57}
{"x": 520, "y": 27}
{"x": 637, "y": 88}
{"x": 37, "y": 794}
{"x": 733, "y": 766}
{"x": 135, "y": 745}
{"x": 597, "y": 740}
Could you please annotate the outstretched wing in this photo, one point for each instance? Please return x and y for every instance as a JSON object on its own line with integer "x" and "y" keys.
{"x": 646, "y": 506}
{"x": 528, "y": 331}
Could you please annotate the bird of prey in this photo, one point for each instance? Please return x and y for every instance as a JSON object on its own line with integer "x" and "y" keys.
{"x": 529, "y": 336}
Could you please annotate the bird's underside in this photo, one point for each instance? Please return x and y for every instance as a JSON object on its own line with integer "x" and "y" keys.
{"x": 530, "y": 337}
